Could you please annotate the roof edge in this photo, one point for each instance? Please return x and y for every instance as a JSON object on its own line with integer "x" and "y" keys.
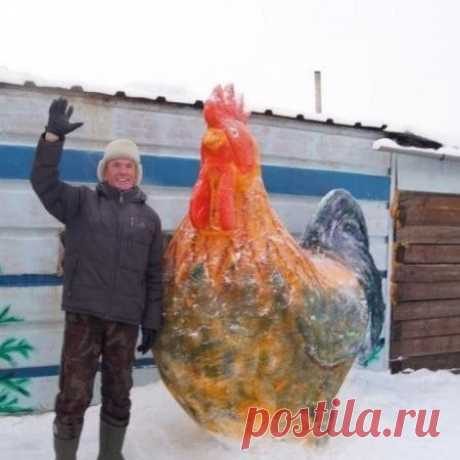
{"x": 77, "y": 90}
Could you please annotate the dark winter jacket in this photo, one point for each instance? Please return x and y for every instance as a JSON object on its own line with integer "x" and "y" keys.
{"x": 113, "y": 245}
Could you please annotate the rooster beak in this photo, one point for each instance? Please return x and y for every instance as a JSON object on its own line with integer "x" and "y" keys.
{"x": 214, "y": 138}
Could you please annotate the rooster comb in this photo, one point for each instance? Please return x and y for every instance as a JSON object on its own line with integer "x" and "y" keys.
{"x": 224, "y": 104}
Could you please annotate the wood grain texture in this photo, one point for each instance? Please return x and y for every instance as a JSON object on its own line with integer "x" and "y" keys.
{"x": 428, "y": 254}
{"x": 429, "y": 234}
{"x": 426, "y": 309}
{"x": 403, "y": 292}
{"x": 432, "y": 362}
{"x": 403, "y": 330}
{"x": 425, "y": 273}
{"x": 425, "y": 346}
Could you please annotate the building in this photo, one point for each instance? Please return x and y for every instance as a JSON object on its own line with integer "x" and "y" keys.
{"x": 302, "y": 160}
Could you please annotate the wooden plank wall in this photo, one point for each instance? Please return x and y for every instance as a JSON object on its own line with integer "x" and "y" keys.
{"x": 425, "y": 294}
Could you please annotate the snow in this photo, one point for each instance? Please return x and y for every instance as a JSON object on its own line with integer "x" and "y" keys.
{"x": 161, "y": 430}
{"x": 133, "y": 89}
{"x": 441, "y": 153}
{"x": 171, "y": 92}
{"x": 396, "y": 62}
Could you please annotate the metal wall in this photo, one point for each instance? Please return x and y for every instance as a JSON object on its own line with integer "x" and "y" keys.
{"x": 428, "y": 174}
{"x": 302, "y": 161}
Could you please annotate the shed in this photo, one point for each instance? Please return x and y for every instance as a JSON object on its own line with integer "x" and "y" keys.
{"x": 302, "y": 160}
{"x": 425, "y": 288}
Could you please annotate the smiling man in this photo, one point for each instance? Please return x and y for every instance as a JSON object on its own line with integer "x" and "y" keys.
{"x": 112, "y": 282}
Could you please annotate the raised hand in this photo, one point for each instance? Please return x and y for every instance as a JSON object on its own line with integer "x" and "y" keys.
{"x": 59, "y": 118}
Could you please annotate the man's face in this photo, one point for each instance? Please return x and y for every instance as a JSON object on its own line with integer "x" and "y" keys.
{"x": 121, "y": 173}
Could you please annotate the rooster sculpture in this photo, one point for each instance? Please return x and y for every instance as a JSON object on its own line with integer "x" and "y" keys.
{"x": 252, "y": 318}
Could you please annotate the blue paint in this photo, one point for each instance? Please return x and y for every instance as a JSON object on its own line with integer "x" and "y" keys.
{"x": 14, "y": 281}
{"x": 312, "y": 182}
{"x": 80, "y": 166}
{"x": 170, "y": 171}
{"x": 30, "y": 280}
{"x": 76, "y": 165}
{"x": 51, "y": 371}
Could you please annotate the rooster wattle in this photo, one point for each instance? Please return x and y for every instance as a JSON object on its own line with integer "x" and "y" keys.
{"x": 252, "y": 318}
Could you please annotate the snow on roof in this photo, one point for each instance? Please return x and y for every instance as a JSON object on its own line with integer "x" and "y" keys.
{"x": 181, "y": 96}
{"x": 441, "y": 153}
{"x": 165, "y": 93}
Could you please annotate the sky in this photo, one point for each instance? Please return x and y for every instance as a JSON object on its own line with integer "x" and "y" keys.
{"x": 392, "y": 62}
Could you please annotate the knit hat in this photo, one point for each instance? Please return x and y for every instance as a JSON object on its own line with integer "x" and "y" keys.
{"x": 120, "y": 148}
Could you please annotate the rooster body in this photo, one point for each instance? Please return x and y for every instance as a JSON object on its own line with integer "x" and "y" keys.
{"x": 252, "y": 318}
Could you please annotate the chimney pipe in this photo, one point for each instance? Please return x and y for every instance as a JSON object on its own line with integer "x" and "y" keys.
{"x": 318, "y": 105}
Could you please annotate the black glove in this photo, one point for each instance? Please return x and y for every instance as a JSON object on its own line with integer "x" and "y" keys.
{"x": 148, "y": 340}
{"x": 59, "y": 118}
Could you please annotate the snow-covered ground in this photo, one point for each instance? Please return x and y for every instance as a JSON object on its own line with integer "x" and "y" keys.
{"x": 161, "y": 430}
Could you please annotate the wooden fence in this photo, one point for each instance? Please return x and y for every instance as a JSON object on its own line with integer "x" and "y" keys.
{"x": 425, "y": 329}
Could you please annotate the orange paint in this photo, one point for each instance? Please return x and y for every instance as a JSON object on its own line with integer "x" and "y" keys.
{"x": 229, "y": 162}
{"x": 237, "y": 290}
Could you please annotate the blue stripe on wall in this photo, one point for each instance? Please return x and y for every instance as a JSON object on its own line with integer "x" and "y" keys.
{"x": 51, "y": 371}
{"x": 29, "y": 280}
{"x": 80, "y": 166}
{"x": 12, "y": 281}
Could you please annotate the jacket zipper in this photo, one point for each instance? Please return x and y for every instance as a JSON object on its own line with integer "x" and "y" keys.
{"x": 117, "y": 254}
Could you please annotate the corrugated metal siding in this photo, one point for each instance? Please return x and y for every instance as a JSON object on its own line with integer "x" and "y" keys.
{"x": 315, "y": 158}
{"x": 428, "y": 174}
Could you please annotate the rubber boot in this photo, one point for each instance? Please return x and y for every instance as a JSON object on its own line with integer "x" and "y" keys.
{"x": 65, "y": 442}
{"x": 111, "y": 438}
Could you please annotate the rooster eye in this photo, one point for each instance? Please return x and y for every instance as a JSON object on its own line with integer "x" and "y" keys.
{"x": 233, "y": 132}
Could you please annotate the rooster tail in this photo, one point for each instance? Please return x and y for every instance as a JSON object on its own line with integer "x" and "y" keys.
{"x": 339, "y": 228}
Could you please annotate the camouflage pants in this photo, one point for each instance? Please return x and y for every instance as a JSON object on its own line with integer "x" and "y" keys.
{"x": 86, "y": 338}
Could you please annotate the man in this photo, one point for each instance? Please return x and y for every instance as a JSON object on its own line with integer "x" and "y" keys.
{"x": 112, "y": 282}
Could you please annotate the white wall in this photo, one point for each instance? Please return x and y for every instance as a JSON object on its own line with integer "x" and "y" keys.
{"x": 28, "y": 235}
